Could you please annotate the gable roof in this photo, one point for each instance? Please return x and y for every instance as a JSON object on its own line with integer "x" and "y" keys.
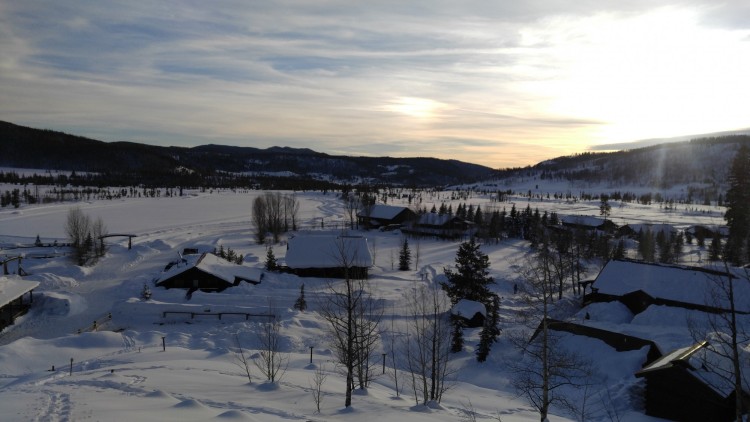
{"x": 689, "y": 285}
{"x": 432, "y": 219}
{"x": 215, "y": 266}
{"x": 327, "y": 251}
{"x": 582, "y": 220}
{"x": 468, "y": 308}
{"x": 13, "y": 288}
{"x": 693, "y": 359}
{"x": 654, "y": 228}
{"x": 382, "y": 212}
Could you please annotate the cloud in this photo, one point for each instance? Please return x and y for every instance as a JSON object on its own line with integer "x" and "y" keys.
{"x": 480, "y": 81}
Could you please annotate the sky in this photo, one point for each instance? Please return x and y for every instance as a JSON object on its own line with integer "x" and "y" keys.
{"x": 498, "y": 83}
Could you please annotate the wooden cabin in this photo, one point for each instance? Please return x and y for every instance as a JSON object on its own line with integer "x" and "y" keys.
{"x": 206, "y": 272}
{"x": 328, "y": 256}
{"x": 16, "y": 297}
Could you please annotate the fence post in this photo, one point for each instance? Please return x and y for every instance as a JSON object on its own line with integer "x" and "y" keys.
{"x": 311, "y": 349}
{"x": 163, "y": 344}
{"x": 71, "y": 366}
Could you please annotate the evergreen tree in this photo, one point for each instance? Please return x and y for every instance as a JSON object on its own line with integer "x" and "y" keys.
{"x": 738, "y": 208}
{"x": 605, "y": 209}
{"x": 404, "y": 257}
{"x": 301, "y": 304}
{"x": 490, "y": 331}
{"x": 457, "y": 335}
{"x": 714, "y": 250}
{"x": 271, "y": 264}
{"x": 478, "y": 217}
{"x": 646, "y": 245}
{"x": 619, "y": 252}
{"x": 470, "y": 278}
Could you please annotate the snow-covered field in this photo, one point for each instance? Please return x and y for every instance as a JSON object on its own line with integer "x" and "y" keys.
{"x": 123, "y": 372}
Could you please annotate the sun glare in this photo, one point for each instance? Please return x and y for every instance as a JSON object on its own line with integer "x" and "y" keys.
{"x": 421, "y": 108}
{"x": 655, "y": 75}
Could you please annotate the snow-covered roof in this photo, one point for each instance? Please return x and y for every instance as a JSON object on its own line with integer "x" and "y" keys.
{"x": 582, "y": 220}
{"x": 696, "y": 357}
{"x": 382, "y": 211}
{"x": 468, "y": 308}
{"x": 328, "y": 251}
{"x": 692, "y": 285}
{"x": 722, "y": 230}
{"x": 432, "y": 219}
{"x": 13, "y": 288}
{"x": 214, "y": 265}
{"x": 654, "y": 228}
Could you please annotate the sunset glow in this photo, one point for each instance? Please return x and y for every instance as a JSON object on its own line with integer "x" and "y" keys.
{"x": 494, "y": 83}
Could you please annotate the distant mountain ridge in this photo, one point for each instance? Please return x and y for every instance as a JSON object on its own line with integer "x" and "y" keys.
{"x": 24, "y": 147}
{"x": 698, "y": 167}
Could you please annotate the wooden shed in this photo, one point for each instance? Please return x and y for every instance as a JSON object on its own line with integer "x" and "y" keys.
{"x": 328, "y": 256}
{"x": 678, "y": 387}
{"x": 16, "y": 296}
{"x": 639, "y": 284}
{"x": 206, "y": 272}
{"x": 385, "y": 215}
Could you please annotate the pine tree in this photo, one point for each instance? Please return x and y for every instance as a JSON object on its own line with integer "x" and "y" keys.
{"x": 457, "y": 335}
{"x": 404, "y": 257}
{"x": 301, "y": 304}
{"x": 490, "y": 331}
{"x": 714, "y": 250}
{"x": 271, "y": 264}
{"x": 619, "y": 252}
{"x": 738, "y": 208}
{"x": 470, "y": 278}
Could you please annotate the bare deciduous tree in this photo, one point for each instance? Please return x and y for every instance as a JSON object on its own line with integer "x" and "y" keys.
{"x": 352, "y": 205}
{"x": 259, "y": 220}
{"x": 291, "y": 210}
{"x": 270, "y": 361}
{"x": 546, "y": 368}
{"x": 98, "y": 229}
{"x": 316, "y": 385}
{"x": 428, "y": 345}
{"x": 726, "y": 332}
{"x": 273, "y": 213}
{"x": 240, "y": 359}
{"x": 348, "y": 307}
{"x": 84, "y": 235}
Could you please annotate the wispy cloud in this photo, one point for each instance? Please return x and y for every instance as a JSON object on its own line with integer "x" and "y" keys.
{"x": 496, "y": 83}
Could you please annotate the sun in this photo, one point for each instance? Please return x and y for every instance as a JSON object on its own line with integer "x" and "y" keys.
{"x": 421, "y": 108}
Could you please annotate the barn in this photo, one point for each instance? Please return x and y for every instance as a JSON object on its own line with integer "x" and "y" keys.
{"x": 207, "y": 272}
{"x": 443, "y": 226}
{"x": 588, "y": 223}
{"x": 328, "y": 256}
{"x": 679, "y": 387}
{"x": 639, "y": 284}
{"x": 16, "y": 296}
{"x": 382, "y": 215}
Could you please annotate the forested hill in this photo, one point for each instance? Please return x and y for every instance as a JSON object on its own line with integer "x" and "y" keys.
{"x": 24, "y": 147}
{"x": 701, "y": 163}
